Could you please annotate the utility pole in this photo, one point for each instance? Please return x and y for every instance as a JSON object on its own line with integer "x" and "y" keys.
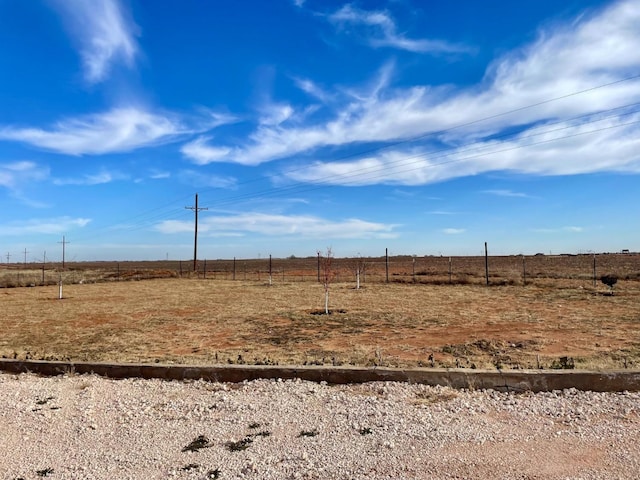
{"x": 25, "y": 257}
{"x": 196, "y": 209}
{"x": 8, "y": 257}
{"x": 64, "y": 243}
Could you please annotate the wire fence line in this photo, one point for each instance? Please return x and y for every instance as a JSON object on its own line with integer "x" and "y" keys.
{"x": 583, "y": 269}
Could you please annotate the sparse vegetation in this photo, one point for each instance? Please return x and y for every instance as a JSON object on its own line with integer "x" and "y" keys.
{"x": 395, "y": 324}
{"x": 327, "y": 275}
{"x": 609, "y": 280}
{"x": 198, "y": 443}
{"x": 239, "y": 445}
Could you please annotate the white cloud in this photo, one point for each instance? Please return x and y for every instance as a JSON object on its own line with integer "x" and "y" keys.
{"x": 570, "y": 229}
{"x": 453, "y": 231}
{"x": 382, "y": 31}
{"x": 505, "y": 193}
{"x": 202, "y": 179}
{"x": 105, "y": 33}
{"x": 58, "y": 225}
{"x": 201, "y": 153}
{"x": 15, "y": 175}
{"x": 159, "y": 175}
{"x": 281, "y": 225}
{"x": 592, "y": 51}
{"x": 99, "y": 178}
{"x": 117, "y": 130}
{"x": 274, "y": 114}
{"x": 612, "y": 145}
{"x": 311, "y": 88}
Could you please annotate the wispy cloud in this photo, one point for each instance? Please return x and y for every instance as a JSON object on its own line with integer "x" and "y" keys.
{"x": 282, "y": 225}
{"x": 313, "y": 89}
{"x": 116, "y": 130}
{"x": 57, "y": 225}
{"x": 568, "y": 149}
{"x": 566, "y": 229}
{"x": 380, "y": 30}
{"x": 105, "y": 34}
{"x": 505, "y": 193}
{"x": 159, "y": 175}
{"x": 453, "y": 231}
{"x": 201, "y": 153}
{"x": 202, "y": 179}
{"x": 15, "y": 175}
{"x": 595, "y": 49}
{"x": 99, "y": 178}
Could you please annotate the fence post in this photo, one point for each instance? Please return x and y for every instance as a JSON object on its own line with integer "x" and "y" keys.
{"x": 449, "y": 269}
{"x": 486, "y": 262}
{"x": 234, "y": 268}
{"x": 270, "y": 277}
{"x": 524, "y": 272}
{"x": 414, "y": 270}
{"x": 594, "y": 269}
{"x": 318, "y": 266}
{"x": 204, "y": 272}
{"x": 386, "y": 263}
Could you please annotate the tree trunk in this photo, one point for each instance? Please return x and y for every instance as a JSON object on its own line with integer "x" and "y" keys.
{"x": 326, "y": 301}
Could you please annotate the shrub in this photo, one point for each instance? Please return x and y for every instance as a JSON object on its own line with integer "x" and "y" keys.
{"x": 609, "y": 280}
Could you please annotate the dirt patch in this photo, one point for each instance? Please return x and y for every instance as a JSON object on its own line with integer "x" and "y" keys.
{"x": 206, "y": 321}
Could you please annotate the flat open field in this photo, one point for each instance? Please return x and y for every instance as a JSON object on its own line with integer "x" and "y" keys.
{"x": 206, "y": 321}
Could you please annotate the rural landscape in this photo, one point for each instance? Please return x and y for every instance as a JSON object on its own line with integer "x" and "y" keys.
{"x": 529, "y": 312}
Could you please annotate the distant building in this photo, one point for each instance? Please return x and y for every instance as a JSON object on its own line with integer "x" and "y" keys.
{"x": 625, "y": 250}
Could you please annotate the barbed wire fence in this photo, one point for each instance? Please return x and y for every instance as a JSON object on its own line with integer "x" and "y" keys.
{"x": 581, "y": 269}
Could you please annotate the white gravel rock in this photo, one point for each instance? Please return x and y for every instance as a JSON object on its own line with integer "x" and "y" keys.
{"x": 87, "y": 427}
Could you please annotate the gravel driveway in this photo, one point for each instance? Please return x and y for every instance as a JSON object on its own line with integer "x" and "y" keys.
{"x": 87, "y": 427}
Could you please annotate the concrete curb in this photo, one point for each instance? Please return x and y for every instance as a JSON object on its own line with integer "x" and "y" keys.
{"x": 509, "y": 380}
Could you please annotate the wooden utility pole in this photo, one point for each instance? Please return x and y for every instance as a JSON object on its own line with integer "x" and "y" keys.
{"x": 64, "y": 243}
{"x": 196, "y": 209}
{"x": 8, "y": 257}
{"x": 25, "y": 257}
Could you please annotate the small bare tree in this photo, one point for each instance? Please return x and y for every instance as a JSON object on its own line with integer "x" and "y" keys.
{"x": 327, "y": 275}
{"x": 359, "y": 267}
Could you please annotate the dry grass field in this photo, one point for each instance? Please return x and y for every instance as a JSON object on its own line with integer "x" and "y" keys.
{"x": 417, "y": 319}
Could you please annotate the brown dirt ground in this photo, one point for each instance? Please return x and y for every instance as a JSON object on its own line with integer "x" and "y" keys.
{"x": 199, "y": 321}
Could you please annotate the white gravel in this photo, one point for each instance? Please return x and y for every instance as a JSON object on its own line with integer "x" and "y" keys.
{"x": 87, "y": 427}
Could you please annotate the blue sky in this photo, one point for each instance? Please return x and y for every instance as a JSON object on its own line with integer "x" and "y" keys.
{"x": 421, "y": 127}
